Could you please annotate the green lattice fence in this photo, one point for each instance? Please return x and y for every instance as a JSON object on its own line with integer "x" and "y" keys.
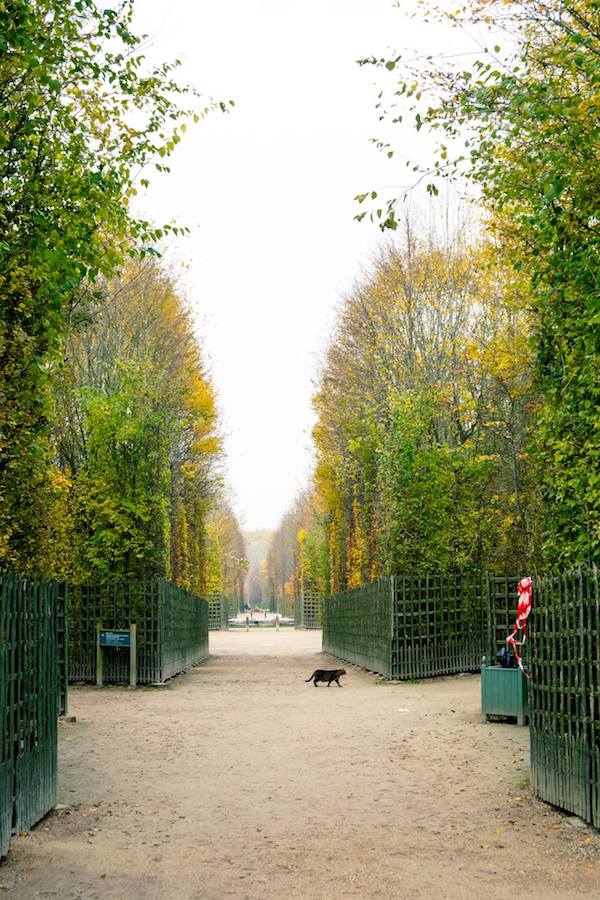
{"x": 308, "y": 609}
{"x": 29, "y": 695}
{"x": 440, "y": 624}
{"x": 409, "y": 626}
{"x": 183, "y": 629}
{"x": 218, "y": 612}
{"x": 62, "y": 629}
{"x": 172, "y": 629}
{"x": 358, "y": 626}
{"x": 502, "y": 612}
{"x": 564, "y": 692}
{"x": 287, "y": 606}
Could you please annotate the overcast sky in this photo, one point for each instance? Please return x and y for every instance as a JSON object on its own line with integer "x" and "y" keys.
{"x": 267, "y": 193}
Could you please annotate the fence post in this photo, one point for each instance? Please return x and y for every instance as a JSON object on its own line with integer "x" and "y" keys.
{"x": 62, "y": 642}
{"x": 132, "y": 654}
{"x": 586, "y": 653}
{"x": 392, "y": 587}
{"x": 593, "y": 692}
{"x": 99, "y": 674}
{"x": 159, "y": 597}
{"x": 490, "y": 638}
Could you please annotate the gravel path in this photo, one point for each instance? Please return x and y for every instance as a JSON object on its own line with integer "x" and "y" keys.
{"x": 239, "y": 780}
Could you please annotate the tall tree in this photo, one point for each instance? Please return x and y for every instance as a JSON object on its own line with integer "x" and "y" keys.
{"x": 528, "y": 118}
{"x": 81, "y": 115}
{"x": 297, "y": 554}
{"x": 227, "y": 562}
{"x": 136, "y": 441}
{"x": 424, "y": 403}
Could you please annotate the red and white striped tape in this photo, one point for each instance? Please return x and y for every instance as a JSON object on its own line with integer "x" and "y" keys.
{"x": 524, "y": 589}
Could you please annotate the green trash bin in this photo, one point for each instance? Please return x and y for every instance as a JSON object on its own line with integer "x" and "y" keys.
{"x": 503, "y": 693}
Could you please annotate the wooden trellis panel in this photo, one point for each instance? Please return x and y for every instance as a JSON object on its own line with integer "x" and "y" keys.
{"x": 287, "y": 606}
{"x": 593, "y": 680}
{"x": 62, "y": 630}
{"x": 358, "y": 626}
{"x": 29, "y": 692}
{"x": 172, "y": 629}
{"x": 183, "y": 630}
{"x": 564, "y": 692}
{"x": 440, "y": 622}
{"x": 114, "y": 606}
{"x": 218, "y": 612}
{"x": 502, "y": 612}
{"x": 308, "y": 609}
{"x": 410, "y": 626}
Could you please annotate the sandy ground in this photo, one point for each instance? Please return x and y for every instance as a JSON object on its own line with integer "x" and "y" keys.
{"x": 240, "y": 780}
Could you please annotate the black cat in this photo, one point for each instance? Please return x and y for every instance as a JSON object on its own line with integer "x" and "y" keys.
{"x": 327, "y": 675}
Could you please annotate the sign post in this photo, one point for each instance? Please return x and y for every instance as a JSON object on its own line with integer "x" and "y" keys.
{"x": 133, "y": 655}
{"x": 116, "y": 638}
{"x": 99, "y": 673}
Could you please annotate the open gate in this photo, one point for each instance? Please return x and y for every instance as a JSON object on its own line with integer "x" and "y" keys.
{"x": 29, "y": 701}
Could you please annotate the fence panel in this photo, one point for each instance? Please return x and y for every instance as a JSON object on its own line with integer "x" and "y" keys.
{"x": 29, "y": 692}
{"x": 218, "y": 612}
{"x": 564, "y": 692}
{"x": 172, "y": 627}
{"x": 410, "y": 626}
{"x": 7, "y": 640}
{"x": 502, "y": 611}
{"x": 115, "y": 605}
{"x": 184, "y": 630}
{"x": 62, "y": 631}
{"x": 308, "y": 609}
{"x": 8, "y": 705}
{"x": 357, "y": 626}
{"x": 593, "y": 656}
{"x": 440, "y": 622}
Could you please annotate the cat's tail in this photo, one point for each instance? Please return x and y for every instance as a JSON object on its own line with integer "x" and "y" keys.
{"x": 311, "y": 677}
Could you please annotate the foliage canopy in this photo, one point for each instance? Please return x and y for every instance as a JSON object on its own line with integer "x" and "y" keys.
{"x": 81, "y": 116}
{"x": 528, "y": 122}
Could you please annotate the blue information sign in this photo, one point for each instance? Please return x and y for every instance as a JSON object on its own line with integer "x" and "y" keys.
{"x": 115, "y": 638}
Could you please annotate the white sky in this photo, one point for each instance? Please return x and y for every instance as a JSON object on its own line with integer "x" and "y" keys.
{"x": 267, "y": 192}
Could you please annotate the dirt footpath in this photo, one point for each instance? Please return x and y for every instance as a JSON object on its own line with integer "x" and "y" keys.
{"x": 240, "y": 780}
